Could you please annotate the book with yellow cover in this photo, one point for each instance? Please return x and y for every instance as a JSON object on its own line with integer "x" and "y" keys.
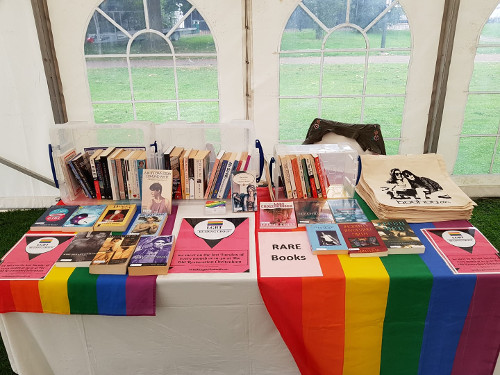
{"x": 116, "y": 217}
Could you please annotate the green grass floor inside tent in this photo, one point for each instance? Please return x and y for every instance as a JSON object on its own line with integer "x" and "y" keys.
{"x": 486, "y": 217}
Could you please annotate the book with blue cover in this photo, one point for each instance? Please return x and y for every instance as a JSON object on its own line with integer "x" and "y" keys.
{"x": 326, "y": 239}
{"x": 83, "y": 219}
{"x": 347, "y": 211}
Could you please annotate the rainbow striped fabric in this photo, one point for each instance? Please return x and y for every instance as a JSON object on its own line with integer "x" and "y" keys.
{"x": 401, "y": 314}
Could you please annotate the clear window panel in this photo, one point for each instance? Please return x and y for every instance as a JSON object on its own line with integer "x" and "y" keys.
{"x": 193, "y": 43}
{"x": 330, "y": 12}
{"x": 391, "y": 146}
{"x": 387, "y": 74}
{"x": 128, "y": 14}
{"x": 295, "y": 117}
{"x": 474, "y": 155}
{"x": 386, "y": 111}
{"x": 113, "y": 113}
{"x": 491, "y": 30}
{"x": 496, "y": 163}
{"x": 341, "y": 109}
{"x": 153, "y": 78}
{"x": 108, "y": 79}
{"x": 197, "y": 79}
{"x": 149, "y": 43}
{"x": 102, "y": 37}
{"x": 343, "y": 75}
{"x": 156, "y": 112}
{"x": 200, "y": 111}
{"x": 391, "y": 31}
{"x": 482, "y": 114}
{"x": 486, "y": 75}
{"x": 299, "y": 75}
{"x": 346, "y": 38}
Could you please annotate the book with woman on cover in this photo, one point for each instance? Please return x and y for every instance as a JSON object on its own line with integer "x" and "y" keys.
{"x": 156, "y": 191}
{"x": 114, "y": 255}
{"x": 244, "y": 191}
{"x": 277, "y": 215}
{"x": 116, "y": 217}
{"x": 326, "y": 239}
{"x": 313, "y": 211}
{"x": 152, "y": 256}
{"x": 398, "y": 236}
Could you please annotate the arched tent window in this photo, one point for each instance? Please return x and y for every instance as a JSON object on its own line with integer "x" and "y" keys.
{"x": 479, "y": 140}
{"x": 345, "y": 61}
{"x": 151, "y": 60}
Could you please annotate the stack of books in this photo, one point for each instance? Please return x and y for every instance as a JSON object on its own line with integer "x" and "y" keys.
{"x": 416, "y": 187}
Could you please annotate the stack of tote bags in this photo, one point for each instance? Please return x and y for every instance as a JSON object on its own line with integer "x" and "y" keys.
{"x": 417, "y": 188}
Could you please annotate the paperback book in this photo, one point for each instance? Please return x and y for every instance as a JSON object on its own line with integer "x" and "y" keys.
{"x": 398, "y": 236}
{"x": 33, "y": 256}
{"x": 152, "y": 256}
{"x": 114, "y": 255}
{"x": 326, "y": 239}
{"x": 53, "y": 218}
{"x": 217, "y": 245}
{"x": 465, "y": 250}
{"x": 313, "y": 211}
{"x": 82, "y": 249}
{"x": 347, "y": 211}
{"x": 156, "y": 191}
{"x": 116, "y": 217}
{"x": 149, "y": 224}
{"x": 277, "y": 215}
{"x": 83, "y": 219}
{"x": 243, "y": 191}
{"x": 363, "y": 240}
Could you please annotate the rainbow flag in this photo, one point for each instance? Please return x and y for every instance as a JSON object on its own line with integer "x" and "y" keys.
{"x": 401, "y": 314}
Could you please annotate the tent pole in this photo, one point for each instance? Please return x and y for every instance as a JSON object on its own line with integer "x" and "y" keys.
{"x": 27, "y": 171}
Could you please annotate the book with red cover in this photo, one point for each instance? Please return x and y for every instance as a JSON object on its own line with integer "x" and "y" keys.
{"x": 465, "y": 250}
{"x": 363, "y": 240}
{"x": 218, "y": 245}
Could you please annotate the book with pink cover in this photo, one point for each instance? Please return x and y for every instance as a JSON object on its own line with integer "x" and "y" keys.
{"x": 32, "y": 257}
{"x": 287, "y": 256}
{"x": 212, "y": 246}
{"x": 465, "y": 250}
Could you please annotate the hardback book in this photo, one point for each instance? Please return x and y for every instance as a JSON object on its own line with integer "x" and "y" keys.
{"x": 80, "y": 165}
{"x": 156, "y": 191}
{"x": 114, "y": 255}
{"x": 277, "y": 215}
{"x": 84, "y": 218}
{"x": 152, "y": 256}
{"x": 312, "y": 211}
{"x": 72, "y": 185}
{"x": 326, "y": 239}
{"x": 243, "y": 191}
{"x": 465, "y": 250}
{"x": 398, "y": 236}
{"x": 363, "y": 240}
{"x": 213, "y": 174}
{"x": 212, "y": 245}
{"x": 116, "y": 217}
{"x": 347, "y": 211}
{"x": 148, "y": 224}
{"x": 82, "y": 249}
{"x": 33, "y": 256}
{"x": 53, "y": 218}
{"x": 176, "y": 172}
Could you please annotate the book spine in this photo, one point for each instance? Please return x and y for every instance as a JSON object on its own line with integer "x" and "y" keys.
{"x": 220, "y": 176}
{"x": 227, "y": 191}
{"x": 112, "y": 178}
{"x": 125, "y": 178}
{"x": 314, "y": 191}
{"x": 292, "y": 178}
{"x": 198, "y": 179}
{"x": 95, "y": 176}
{"x": 321, "y": 176}
{"x": 141, "y": 164}
{"x": 191, "y": 181}
{"x": 185, "y": 180}
{"x": 225, "y": 179}
{"x": 212, "y": 176}
{"x": 133, "y": 179}
{"x": 315, "y": 173}
{"x": 301, "y": 174}
{"x": 176, "y": 182}
{"x": 119, "y": 177}
{"x": 286, "y": 177}
{"x": 247, "y": 162}
{"x": 296, "y": 176}
{"x": 79, "y": 179}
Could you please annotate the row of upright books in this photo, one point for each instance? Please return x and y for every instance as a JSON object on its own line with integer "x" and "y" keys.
{"x": 339, "y": 226}
{"x": 303, "y": 176}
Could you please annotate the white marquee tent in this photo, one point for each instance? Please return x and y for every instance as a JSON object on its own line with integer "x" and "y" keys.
{"x": 445, "y": 35}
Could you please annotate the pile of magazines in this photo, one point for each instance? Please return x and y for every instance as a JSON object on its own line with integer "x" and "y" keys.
{"x": 417, "y": 188}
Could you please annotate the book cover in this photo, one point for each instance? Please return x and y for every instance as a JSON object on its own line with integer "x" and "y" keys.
{"x": 114, "y": 255}
{"x": 106, "y": 183}
{"x": 176, "y": 172}
{"x": 82, "y": 249}
{"x": 292, "y": 178}
{"x": 53, "y": 218}
{"x": 217, "y": 245}
{"x": 80, "y": 165}
{"x": 213, "y": 173}
{"x": 286, "y": 175}
{"x": 83, "y": 219}
{"x": 149, "y": 224}
{"x": 156, "y": 191}
{"x": 321, "y": 174}
{"x": 234, "y": 168}
{"x": 287, "y": 256}
{"x": 305, "y": 177}
{"x": 141, "y": 164}
{"x": 465, "y": 250}
{"x": 243, "y": 191}
{"x": 183, "y": 160}
{"x": 33, "y": 256}
{"x": 166, "y": 157}
{"x": 220, "y": 174}
{"x": 347, "y": 211}
{"x": 277, "y": 215}
{"x": 113, "y": 175}
{"x": 72, "y": 186}
{"x": 363, "y": 240}
{"x": 398, "y": 236}
{"x": 226, "y": 175}
{"x": 93, "y": 168}
{"x": 296, "y": 176}
{"x": 116, "y": 217}
{"x": 312, "y": 211}
{"x": 191, "y": 181}
{"x": 152, "y": 256}
{"x": 326, "y": 239}
{"x": 201, "y": 170}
